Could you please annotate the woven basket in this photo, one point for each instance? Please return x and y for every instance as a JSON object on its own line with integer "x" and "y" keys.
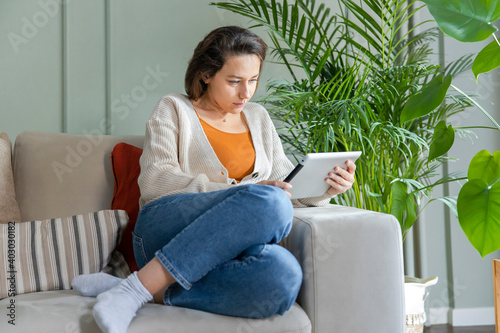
{"x": 415, "y": 323}
{"x": 416, "y": 291}
{"x": 415, "y": 328}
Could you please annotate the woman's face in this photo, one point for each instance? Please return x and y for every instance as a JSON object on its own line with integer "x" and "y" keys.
{"x": 234, "y": 84}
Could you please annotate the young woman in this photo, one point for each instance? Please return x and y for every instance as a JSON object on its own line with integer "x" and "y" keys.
{"x": 214, "y": 205}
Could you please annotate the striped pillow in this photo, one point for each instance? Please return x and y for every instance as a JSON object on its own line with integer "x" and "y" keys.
{"x": 46, "y": 255}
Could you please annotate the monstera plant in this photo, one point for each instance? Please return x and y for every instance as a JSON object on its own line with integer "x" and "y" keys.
{"x": 479, "y": 199}
{"x": 363, "y": 79}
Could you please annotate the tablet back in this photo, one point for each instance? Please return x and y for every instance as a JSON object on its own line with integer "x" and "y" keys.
{"x": 309, "y": 179}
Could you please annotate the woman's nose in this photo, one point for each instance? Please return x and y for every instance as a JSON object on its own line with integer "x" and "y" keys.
{"x": 245, "y": 91}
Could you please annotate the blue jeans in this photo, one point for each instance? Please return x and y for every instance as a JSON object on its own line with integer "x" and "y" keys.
{"x": 221, "y": 249}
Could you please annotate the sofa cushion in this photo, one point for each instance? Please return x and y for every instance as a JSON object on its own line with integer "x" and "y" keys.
{"x": 126, "y": 170}
{"x": 57, "y": 174}
{"x": 9, "y": 210}
{"x": 66, "y": 311}
{"x": 46, "y": 255}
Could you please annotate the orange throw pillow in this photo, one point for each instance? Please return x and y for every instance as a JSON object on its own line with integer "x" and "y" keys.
{"x": 126, "y": 170}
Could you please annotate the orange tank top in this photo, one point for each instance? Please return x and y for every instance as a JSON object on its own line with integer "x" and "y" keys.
{"x": 234, "y": 150}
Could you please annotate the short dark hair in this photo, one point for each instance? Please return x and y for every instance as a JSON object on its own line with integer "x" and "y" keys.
{"x": 212, "y": 52}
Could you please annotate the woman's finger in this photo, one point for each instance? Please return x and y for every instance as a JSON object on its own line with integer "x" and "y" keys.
{"x": 342, "y": 174}
{"x": 277, "y": 183}
{"x": 337, "y": 179}
{"x": 351, "y": 166}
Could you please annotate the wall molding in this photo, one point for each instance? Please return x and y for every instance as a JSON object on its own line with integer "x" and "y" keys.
{"x": 64, "y": 59}
{"x": 473, "y": 316}
{"x": 439, "y": 316}
{"x": 107, "y": 55}
{"x": 461, "y": 317}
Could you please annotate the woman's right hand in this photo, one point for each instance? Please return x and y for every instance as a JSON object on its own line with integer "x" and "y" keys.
{"x": 277, "y": 183}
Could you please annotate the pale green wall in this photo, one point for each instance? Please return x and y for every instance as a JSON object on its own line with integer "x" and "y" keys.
{"x": 87, "y": 64}
{"x": 85, "y": 67}
{"x": 30, "y": 73}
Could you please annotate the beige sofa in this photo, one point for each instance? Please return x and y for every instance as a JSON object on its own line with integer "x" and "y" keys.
{"x": 351, "y": 258}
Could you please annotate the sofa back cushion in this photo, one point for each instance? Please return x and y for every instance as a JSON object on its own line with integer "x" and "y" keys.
{"x": 57, "y": 174}
{"x": 9, "y": 210}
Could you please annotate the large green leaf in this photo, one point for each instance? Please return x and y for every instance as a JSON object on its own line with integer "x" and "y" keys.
{"x": 487, "y": 60}
{"x": 427, "y": 99}
{"x": 403, "y": 206}
{"x": 479, "y": 215}
{"x": 485, "y": 166}
{"x": 465, "y": 20}
{"x": 442, "y": 140}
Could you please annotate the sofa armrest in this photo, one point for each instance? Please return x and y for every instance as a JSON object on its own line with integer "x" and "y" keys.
{"x": 352, "y": 260}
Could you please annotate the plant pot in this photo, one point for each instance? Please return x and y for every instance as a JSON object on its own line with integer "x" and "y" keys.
{"x": 416, "y": 291}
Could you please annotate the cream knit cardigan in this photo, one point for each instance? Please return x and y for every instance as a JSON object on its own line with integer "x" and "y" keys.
{"x": 178, "y": 157}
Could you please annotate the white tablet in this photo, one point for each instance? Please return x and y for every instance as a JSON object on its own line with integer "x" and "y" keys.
{"x": 308, "y": 177}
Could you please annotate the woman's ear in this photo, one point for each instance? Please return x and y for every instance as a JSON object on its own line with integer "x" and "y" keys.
{"x": 205, "y": 78}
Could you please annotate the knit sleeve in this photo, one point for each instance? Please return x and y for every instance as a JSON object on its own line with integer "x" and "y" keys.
{"x": 281, "y": 165}
{"x": 161, "y": 173}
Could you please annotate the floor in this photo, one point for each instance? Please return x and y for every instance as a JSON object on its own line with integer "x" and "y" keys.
{"x": 465, "y": 329}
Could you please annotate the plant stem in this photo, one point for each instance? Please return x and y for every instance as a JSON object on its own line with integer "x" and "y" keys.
{"x": 478, "y": 106}
{"x": 486, "y": 127}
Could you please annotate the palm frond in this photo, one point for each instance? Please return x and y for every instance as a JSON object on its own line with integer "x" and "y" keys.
{"x": 352, "y": 73}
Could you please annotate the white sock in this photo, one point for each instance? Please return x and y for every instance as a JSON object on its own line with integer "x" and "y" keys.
{"x": 116, "y": 307}
{"x": 93, "y": 284}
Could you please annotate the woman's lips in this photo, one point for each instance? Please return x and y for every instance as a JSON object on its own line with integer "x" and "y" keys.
{"x": 239, "y": 105}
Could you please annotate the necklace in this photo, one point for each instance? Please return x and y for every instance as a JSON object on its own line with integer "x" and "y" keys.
{"x": 223, "y": 119}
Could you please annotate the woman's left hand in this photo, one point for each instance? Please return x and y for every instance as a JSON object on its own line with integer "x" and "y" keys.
{"x": 341, "y": 180}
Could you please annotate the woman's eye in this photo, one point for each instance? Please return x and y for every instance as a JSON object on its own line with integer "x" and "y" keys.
{"x": 234, "y": 82}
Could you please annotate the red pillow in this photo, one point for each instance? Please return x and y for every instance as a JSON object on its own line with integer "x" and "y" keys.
{"x": 126, "y": 169}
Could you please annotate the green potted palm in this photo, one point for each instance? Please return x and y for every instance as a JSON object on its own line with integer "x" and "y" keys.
{"x": 362, "y": 79}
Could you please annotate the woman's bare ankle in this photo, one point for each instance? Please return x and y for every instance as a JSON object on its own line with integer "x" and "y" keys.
{"x": 159, "y": 296}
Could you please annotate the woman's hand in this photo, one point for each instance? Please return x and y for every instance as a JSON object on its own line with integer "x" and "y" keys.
{"x": 277, "y": 183}
{"x": 341, "y": 180}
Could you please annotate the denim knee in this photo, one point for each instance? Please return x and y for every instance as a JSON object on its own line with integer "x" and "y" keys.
{"x": 273, "y": 204}
{"x": 279, "y": 290}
